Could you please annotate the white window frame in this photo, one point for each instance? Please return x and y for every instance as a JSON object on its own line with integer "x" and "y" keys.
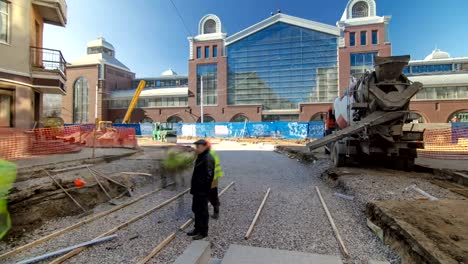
{"x": 7, "y": 14}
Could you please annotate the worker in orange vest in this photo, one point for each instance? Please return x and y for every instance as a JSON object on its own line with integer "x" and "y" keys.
{"x": 330, "y": 122}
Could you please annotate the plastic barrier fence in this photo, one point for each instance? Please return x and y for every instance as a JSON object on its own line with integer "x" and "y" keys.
{"x": 18, "y": 144}
{"x": 447, "y": 144}
{"x": 286, "y": 130}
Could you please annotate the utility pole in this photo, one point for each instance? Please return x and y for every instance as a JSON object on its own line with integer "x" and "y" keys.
{"x": 201, "y": 99}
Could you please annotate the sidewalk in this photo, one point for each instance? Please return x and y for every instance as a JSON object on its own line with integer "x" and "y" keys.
{"x": 85, "y": 153}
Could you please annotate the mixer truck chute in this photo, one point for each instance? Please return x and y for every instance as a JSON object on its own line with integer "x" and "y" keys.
{"x": 371, "y": 114}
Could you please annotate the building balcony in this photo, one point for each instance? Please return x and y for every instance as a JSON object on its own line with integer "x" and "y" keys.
{"x": 48, "y": 70}
{"x": 52, "y": 11}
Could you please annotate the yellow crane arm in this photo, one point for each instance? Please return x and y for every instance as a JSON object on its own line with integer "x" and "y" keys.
{"x": 134, "y": 101}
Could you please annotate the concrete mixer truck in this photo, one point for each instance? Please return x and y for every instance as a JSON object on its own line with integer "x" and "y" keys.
{"x": 370, "y": 116}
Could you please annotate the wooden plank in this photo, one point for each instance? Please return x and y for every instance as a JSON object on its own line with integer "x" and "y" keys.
{"x": 117, "y": 228}
{"x": 100, "y": 184}
{"x": 74, "y": 226}
{"x": 65, "y": 191}
{"x": 254, "y": 221}
{"x": 451, "y": 187}
{"x": 136, "y": 173}
{"x": 332, "y": 223}
{"x": 69, "y": 168}
{"x": 158, "y": 248}
{"x": 190, "y": 221}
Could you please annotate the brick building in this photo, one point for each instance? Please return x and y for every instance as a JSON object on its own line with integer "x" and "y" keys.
{"x": 286, "y": 68}
{"x": 91, "y": 79}
{"x": 445, "y": 95}
{"x": 283, "y": 68}
{"x": 28, "y": 70}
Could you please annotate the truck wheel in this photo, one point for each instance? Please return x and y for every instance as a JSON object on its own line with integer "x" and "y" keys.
{"x": 404, "y": 163}
{"x": 338, "y": 158}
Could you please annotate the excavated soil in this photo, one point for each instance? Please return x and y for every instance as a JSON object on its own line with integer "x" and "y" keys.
{"x": 424, "y": 231}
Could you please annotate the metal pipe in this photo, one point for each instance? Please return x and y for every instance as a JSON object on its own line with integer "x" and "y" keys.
{"x": 65, "y": 250}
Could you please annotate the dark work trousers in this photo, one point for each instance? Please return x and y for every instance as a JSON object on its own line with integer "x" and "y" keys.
{"x": 214, "y": 199}
{"x": 200, "y": 209}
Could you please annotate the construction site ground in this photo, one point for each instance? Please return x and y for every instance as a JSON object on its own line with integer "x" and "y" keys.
{"x": 292, "y": 219}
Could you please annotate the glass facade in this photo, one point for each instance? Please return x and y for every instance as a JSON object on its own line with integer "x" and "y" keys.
{"x": 4, "y": 20}
{"x": 162, "y": 83}
{"x": 149, "y": 102}
{"x": 215, "y": 51}
{"x": 352, "y": 39}
{"x": 375, "y": 37}
{"x": 428, "y": 68}
{"x": 363, "y": 38}
{"x": 282, "y": 66}
{"x": 81, "y": 101}
{"x": 208, "y": 73}
{"x": 442, "y": 93}
{"x": 362, "y": 62}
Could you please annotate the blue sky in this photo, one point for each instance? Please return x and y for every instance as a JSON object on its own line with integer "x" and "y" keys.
{"x": 149, "y": 37}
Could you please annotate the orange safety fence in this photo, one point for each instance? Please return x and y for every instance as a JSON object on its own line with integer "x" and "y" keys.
{"x": 17, "y": 144}
{"x": 446, "y": 144}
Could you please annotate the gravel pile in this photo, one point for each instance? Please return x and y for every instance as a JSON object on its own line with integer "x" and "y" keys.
{"x": 292, "y": 219}
{"x": 385, "y": 184}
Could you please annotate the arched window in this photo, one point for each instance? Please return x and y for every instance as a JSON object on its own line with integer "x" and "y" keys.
{"x": 174, "y": 119}
{"x": 147, "y": 120}
{"x": 417, "y": 118}
{"x": 360, "y": 9}
{"x": 459, "y": 116}
{"x": 81, "y": 101}
{"x": 321, "y": 116}
{"x": 239, "y": 118}
{"x": 209, "y": 26}
{"x": 206, "y": 119}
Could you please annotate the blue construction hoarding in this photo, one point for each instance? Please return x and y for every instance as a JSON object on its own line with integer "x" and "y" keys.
{"x": 287, "y": 130}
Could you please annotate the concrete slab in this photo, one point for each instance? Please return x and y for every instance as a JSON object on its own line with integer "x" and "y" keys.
{"x": 255, "y": 255}
{"x": 198, "y": 252}
{"x": 377, "y": 262}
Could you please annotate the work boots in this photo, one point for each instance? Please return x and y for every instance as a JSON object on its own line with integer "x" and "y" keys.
{"x": 215, "y": 213}
{"x": 192, "y": 233}
{"x": 199, "y": 236}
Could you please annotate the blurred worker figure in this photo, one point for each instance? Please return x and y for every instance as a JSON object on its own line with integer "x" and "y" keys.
{"x": 202, "y": 178}
{"x": 7, "y": 179}
{"x": 218, "y": 173}
{"x": 330, "y": 122}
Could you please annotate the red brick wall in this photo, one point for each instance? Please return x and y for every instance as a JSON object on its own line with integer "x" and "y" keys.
{"x": 384, "y": 49}
{"x": 438, "y": 111}
{"x": 73, "y": 73}
{"x": 307, "y": 111}
{"x": 115, "y": 79}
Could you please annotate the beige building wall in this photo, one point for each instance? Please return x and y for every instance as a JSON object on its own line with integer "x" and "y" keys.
{"x": 15, "y": 54}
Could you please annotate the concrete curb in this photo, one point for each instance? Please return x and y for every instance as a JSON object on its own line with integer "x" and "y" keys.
{"x": 199, "y": 252}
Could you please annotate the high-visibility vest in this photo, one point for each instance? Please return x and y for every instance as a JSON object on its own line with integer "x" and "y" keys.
{"x": 7, "y": 178}
{"x": 218, "y": 170}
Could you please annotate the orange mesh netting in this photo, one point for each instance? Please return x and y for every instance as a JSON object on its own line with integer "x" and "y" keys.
{"x": 17, "y": 144}
{"x": 448, "y": 144}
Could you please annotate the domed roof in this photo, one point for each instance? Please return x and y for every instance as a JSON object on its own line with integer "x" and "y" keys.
{"x": 168, "y": 72}
{"x": 100, "y": 42}
{"x": 437, "y": 54}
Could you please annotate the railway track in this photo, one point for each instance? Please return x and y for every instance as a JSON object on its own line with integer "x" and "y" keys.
{"x": 10, "y": 255}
